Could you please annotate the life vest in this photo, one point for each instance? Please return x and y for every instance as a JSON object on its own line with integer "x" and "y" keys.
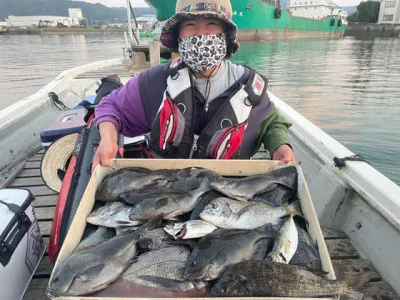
{"x": 172, "y": 133}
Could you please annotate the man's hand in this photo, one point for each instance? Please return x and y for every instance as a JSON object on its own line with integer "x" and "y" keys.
{"x": 108, "y": 146}
{"x": 284, "y": 153}
{"x": 105, "y": 152}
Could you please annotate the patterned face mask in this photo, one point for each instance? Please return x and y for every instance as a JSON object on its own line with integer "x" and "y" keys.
{"x": 203, "y": 52}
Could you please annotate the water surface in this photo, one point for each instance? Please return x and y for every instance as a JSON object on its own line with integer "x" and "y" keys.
{"x": 350, "y": 88}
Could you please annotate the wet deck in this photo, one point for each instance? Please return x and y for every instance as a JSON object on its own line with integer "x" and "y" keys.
{"x": 346, "y": 261}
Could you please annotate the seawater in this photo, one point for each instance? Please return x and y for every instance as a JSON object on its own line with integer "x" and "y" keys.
{"x": 350, "y": 88}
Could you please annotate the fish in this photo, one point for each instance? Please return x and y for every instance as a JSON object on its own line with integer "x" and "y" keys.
{"x": 244, "y": 189}
{"x": 163, "y": 268}
{"x": 307, "y": 254}
{"x": 202, "y": 202}
{"x": 113, "y": 215}
{"x": 153, "y": 239}
{"x": 232, "y": 214}
{"x": 101, "y": 235}
{"x": 190, "y": 229}
{"x": 189, "y": 179}
{"x": 222, "y": 248}
{"x": 286, "y": 243}
{"x": 169, "y": 203}
{"x": 261, "y": 278}
{"x": 128, "y": 179}
{"x": 93, "y": 269}
{"x": 277, "y": 195}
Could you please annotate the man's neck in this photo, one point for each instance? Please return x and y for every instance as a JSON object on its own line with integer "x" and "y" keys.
{"x": 207, "y": 74}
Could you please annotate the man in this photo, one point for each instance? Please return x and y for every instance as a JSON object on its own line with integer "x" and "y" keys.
{"x": 201, "y": 105}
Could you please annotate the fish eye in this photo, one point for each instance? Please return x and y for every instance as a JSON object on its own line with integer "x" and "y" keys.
{"x": 193, "y": 263}
{"x": 214, "y": 205}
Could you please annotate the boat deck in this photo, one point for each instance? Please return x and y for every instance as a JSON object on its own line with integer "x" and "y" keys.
{"x": 346, "y": 260}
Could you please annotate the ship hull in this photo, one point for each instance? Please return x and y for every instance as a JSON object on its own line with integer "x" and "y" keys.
{"x": 256, "y": 21}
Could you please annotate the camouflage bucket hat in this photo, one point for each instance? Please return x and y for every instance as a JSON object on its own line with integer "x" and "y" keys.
{"x": 188, "y": 9}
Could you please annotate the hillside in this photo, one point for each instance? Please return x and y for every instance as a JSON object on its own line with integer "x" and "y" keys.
{"x": 95, "y": 13}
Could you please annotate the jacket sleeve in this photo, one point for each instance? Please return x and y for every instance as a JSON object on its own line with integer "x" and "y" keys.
{"x": 273, "y": 132}
{"x": 124, "y": 108}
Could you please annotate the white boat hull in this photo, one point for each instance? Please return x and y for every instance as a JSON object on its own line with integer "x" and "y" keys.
{"x": 356, "y": 199}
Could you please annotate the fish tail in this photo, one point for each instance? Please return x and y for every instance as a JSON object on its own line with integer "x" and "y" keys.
{"x": 294, "y": 209}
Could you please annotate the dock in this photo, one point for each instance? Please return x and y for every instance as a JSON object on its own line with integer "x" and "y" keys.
{"x": 345, "y": 258}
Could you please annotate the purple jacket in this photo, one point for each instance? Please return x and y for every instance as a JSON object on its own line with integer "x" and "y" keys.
{"x": 126, "y": 110}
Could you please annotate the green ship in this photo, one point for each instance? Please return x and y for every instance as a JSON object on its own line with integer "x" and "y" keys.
{"x": 259, "y": 20}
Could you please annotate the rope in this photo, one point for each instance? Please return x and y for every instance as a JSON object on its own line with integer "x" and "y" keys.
{"x": 341, "y": 162}
{"x": 57, "y": 102}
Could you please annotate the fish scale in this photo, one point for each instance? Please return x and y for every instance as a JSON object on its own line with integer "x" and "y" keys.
{"x": 167, "y": 262}
{"x": 265, "y": 278}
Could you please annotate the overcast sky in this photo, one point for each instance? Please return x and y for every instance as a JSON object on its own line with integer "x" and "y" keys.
{"x": 143, "y": 3}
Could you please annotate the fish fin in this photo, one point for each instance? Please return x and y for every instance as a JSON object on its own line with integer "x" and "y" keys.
{"x": 191, "y": 244}
{"x": 317, "y": 272}
{"x": 357, "y": 281}
{"x": 152, "y": 223}
{"x": 262, "y": 247}
{"x": 247, "y": 208}
{"x": 294, "y": 209}
{"x": 89, "y": 273}
{"x": 302, "y": 222}
{"x": 161, "y": 202}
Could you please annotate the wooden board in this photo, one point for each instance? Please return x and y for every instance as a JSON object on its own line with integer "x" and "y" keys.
{"x": 45, "y": 227}
{"x": 44, "y": 213}
{"x": 45, "y": 268}
{"x": 36, "y": 289}
{"x": 32, "y": 165}
{"x": 355, "y": 267}
{"x": 330, "y": 233}
{"x": 341, "y": 248}
{"x": 36, "y": 157}
{"x": 41, "y": 190}
{"x": 27, "y": 182}
{"x": 29, "y": 173}
{"x": 42, "y": 201}
{"x": 379, "y": 290}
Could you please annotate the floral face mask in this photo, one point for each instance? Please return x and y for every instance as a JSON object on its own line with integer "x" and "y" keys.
{"x": 203, "y": 52}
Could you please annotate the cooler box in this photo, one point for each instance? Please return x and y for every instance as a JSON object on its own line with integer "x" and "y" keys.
{"x": 21, "y": 244}
{"x": 68, "y": 122}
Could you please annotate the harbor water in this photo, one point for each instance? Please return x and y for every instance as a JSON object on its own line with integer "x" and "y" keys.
{"x": 350, "y": 88}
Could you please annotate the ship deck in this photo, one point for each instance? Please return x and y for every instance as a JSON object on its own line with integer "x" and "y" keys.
{"x": 346, "y": 260}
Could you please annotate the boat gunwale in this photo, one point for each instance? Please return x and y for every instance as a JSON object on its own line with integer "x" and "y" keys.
{"x": 360, "y": 176}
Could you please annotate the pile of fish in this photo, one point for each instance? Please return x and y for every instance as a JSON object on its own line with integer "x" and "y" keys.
{"x": 192, "y": 229}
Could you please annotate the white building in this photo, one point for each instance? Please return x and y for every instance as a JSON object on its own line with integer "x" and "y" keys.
{"x": 146, "y": 22}
{"x": 40, "y": 21}
{"x": 75, "y": 13}
{"x": 389, "y": 12}
{"x": 315, "y": 9}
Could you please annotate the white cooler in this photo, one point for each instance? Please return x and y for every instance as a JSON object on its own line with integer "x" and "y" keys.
{"x": 21, "y": 244}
